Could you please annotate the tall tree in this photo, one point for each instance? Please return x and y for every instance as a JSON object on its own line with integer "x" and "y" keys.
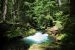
{"x": 4, "y": 9}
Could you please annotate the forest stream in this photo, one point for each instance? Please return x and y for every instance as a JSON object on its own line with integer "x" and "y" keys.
{"x": 33, "y": 42}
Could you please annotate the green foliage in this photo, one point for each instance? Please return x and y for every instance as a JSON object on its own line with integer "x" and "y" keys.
{"x": 15, "y": 32}
{"x": 29, "y": 32}
{"x": 58, "y": 24}
{"x": 41, "y": 13}
{"x": 61, "y": 36}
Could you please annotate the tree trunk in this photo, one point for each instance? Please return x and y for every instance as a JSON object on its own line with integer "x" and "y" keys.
{"x": 4, "y": 9}
{"x": 16, "y": 9}
{"x": 58, "y": 2}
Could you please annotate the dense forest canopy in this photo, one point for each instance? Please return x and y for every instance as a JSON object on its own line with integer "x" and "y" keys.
{"x": 25, "y": 17}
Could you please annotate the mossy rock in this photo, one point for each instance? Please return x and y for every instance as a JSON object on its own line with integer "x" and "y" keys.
{"x": 61, "y": 36}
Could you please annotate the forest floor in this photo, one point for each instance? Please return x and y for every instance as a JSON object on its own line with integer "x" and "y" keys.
{"x": 41, "y": 47}
{"x": 36, "y": 47}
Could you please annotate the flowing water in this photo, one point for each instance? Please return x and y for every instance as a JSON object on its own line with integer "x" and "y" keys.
{"x": 27, "y": 42}
{"x": 38, "y": 38}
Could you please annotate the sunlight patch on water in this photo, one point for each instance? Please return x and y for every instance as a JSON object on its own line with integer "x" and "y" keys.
{"x": 37, "y": 38}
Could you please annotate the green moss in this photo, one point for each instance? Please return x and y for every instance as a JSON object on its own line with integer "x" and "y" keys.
{"x": 61, "y": 36}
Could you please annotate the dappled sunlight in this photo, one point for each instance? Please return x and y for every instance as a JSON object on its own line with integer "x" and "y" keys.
{"x": 36, "y": 47}
{"x": 35, "y": 24}
{"x": 61, "y": 36}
